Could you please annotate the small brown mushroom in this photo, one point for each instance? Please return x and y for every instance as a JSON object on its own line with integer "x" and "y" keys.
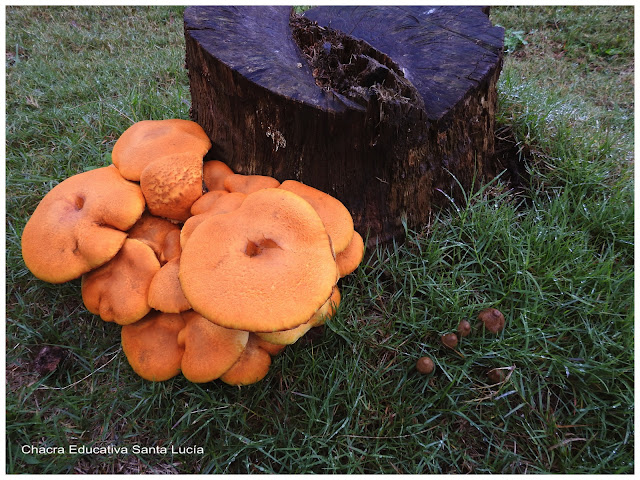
{"x": 496, "y": 375}
{"x": 493, "y": 319}
{"x": 425, "y": 365}
{"x": 450, "y": 340}
{"x": 464, "y": 328}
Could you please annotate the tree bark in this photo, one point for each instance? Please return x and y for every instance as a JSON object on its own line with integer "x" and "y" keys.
{"x": 389, "y": 109}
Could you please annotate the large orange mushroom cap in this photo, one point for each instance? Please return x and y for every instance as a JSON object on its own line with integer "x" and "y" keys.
{"x": 151, "y": 345}
{"x": 209, "y": 350}
{"x": 80, "y": 224}
{"x": 147, "y": 140}
{"x": 266, "y": 266}
{"x": 335, "y": 216}
{"x": 118, "y": 290}
{"x": 171, "y": 184}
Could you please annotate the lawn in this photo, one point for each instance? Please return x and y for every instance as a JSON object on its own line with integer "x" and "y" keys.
{"x": 552, "y": 393}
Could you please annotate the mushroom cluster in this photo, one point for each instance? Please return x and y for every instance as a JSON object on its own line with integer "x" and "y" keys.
{"x": 210, "y": 273}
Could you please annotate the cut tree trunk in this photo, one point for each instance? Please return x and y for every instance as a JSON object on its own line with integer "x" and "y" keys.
{"x": 389, "y": 109}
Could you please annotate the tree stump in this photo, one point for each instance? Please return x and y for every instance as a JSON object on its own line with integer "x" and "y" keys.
{"x": 389, "y": 109}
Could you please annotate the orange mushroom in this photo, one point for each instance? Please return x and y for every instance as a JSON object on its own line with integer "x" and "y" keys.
{"x": 151, "y": 345}
{"x": 214, "y": 173}
{"x": 165, "y": 293}
{"x": 264, "y": 267}
{"x": 328, "y": 310}
{"x": 80, "y": 224}
{"x": 224, "y": 204}
{"x": 271, "y": 348}
{"x": 209, "y": 350}
{"x": 118, "y": 290}
{"x": 153, "y": 231}
{"x": 288, "y": 337}
{"x": 249, "y": 183}
{"x": 146, "y": 141}
{"x": 206, "y": 201}
{"x": 170, "y": 247}
{"x": 335, "y": 216}
{"x": 349, "y": 259}
{"x": 252, "y": 366}
{"x": 171, "y": 184}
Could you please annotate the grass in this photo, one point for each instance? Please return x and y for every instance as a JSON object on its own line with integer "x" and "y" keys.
{"x": 556, "y": 258}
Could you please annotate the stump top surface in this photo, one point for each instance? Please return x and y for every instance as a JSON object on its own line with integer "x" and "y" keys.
{"x": 443, "y": 51}
{"x": 256, "y": 42}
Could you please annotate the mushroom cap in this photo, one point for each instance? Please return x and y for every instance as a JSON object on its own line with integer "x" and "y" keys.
{"x": 165, "y": 293}
{"x": 118, "y": 290}
{"x": 349, "y": 258}
{"x": 153, "y": 231}
{"x": 328, "y": 310}
{"x": 271, "y": 348}
{"x": 493, "y": 319}
{"x": 252, "y": 366}
{"x": 171, "y": 247}
{"x": 425, "y": 365}
{"x": 266, "y": 266}
{"x": 171, "y": 184}
{"x": 249, "y": 183}
{"x": 147, "y": 140}
{"x": 214, "y": 173}
{"x": 206, "y": 201}
{"x": 449, "y": 340}
{"x": 225, "y": 204}
{"x": 288, "y": 337}
{"x": 335, "y": 216}
{"x": 209, "y": 350}
{"x": 151, "y": 345}
{"x": 80, "y": 224}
